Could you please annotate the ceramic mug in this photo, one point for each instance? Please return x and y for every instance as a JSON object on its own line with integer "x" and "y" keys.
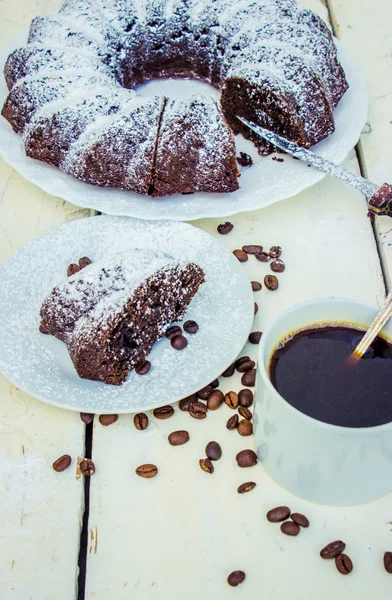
{"x": 324, "y": 463}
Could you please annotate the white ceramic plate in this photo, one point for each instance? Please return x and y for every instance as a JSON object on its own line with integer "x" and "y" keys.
{"x": 266, "y": 182}
{"x": 40, "y": 365}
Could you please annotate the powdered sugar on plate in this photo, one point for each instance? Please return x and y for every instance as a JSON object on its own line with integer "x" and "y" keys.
{"x": 40, "y": 365}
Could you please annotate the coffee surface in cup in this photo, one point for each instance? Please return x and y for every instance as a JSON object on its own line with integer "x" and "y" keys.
{"x": 311, "y": 371}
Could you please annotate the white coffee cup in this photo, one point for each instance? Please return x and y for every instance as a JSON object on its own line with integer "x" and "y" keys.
{"x": 324, "y": 463}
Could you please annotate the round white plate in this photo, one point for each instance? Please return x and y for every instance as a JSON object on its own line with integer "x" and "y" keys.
{"x": 266, "y": 182}
{"x": 40, "y": 365}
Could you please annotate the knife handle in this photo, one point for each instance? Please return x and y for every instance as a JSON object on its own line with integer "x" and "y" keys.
{"x": 381, "y": 202}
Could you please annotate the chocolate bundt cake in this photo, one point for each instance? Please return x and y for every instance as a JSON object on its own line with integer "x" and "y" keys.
{"x": 112, "y": 312}
{"x": 72, "y": 98}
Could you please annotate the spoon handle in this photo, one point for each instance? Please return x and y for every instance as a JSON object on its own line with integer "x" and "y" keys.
{"x": 382, "y": 317}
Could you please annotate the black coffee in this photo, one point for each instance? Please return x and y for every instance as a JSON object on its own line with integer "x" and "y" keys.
{"x": 312, "y": 372}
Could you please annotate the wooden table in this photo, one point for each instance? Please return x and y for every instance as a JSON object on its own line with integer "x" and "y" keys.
{"x": 180, "y": 534}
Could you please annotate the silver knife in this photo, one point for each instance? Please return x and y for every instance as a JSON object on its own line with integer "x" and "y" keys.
{"x": 379, "y": 198}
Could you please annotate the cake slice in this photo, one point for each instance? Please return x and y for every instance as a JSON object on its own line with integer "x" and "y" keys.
{"x": 112, "y": 312}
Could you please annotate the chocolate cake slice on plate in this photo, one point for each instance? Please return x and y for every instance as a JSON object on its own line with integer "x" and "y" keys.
{"x": 112, "y": 312}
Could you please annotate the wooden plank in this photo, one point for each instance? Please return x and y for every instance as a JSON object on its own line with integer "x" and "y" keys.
{"x": 179, "y": 535}
{"x": 41, "y": 509}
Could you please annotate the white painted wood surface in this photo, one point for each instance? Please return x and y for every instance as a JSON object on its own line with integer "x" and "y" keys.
{"x": 180, "y": 534}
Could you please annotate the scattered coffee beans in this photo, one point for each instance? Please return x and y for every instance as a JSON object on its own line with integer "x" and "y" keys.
{"x": 43, "y": 329}
{"x": 62, "y": 463}
{"x": 240, "y": 360}
{"x": 255, "y": 337}
{"x": 107, "y": 419}
{"x": 173, "y": 331}
{"x": 249, "y": 378}
{"x": 245, "y": 412}
{"x": 87, "y": 467}
{"x": 205, "y": 392}
{"x": 271, "y": 282}
{"x": 143, "y": 368}
{"x": 246, "y": 458}
{"x": 232, "y": 423}
{"x": 290, "y": 528}
{"x": 72, "y": 269}
{"x": 206, "y": 465}
{"x": 343, "y": 564}
{"x": 241, "y": 255}
{"x": 185, "y": 403}
{"x": 301, "y": 520}
{"x": 333, "y": 549}
{"x": 231, "y": 399}
{"x": 245, "y": 427}
{"x": 246, "y": 487}
{"x": 214, "y": 384}
{"x": 191, "y": 327}
{"x": 178, "y": 342}
{"x": 198, "y": 410}
{"x": 163, "y": 412}
{"x": 146, "y": 471}
{"x": 278, "y": 514}
{"x": 275, "y": 251}
{"x": 256, "y": 308}
{"x": 277, "y": 266}
{"x": 252, "y": 249}
{"x": 262, "y": 256}
{"x": 87, "y": 418}
{"x": 178, "y": 438}
{"x": 245, "y": 398}
{"x": 388, "y": 562}
{"x": 225, "y": 228}
{"x": 215, "y": 400}
{"x": 246, "y": 366}
{"x": 256, "y": 286}
{"x": 229, "y": 371}
{"x": 140, "y": 420}
{"x": 244, "y": 159}
{"x": 213, "y": 451}
{"x": 235, "y": 578}
{"x": 84, "y": 262}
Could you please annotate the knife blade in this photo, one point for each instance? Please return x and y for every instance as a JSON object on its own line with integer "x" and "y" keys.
{"x": 379, "y": 198}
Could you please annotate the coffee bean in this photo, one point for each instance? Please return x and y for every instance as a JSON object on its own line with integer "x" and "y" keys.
{"x": 72, "y": 269}
{"x": 256, "y": 286}
{"x": 254, "y": 337}
{"x": 87, "y": 418}
{"x": 186, "y": 402}
{"x": 246, "y": 366}
{"x": 107, "y": 419}
{"x": 198, "y": 410}
{"x": 245, "y": 427}
{"x": 333, "y": 549}
{"x": 277, "y": 266}
{"x": 241, "y": 360}
{"x": 231, "y": 399}
{"x": 191, "y": 327}
{"x": 43, "y": 329}
{"x": 278, "y": 514}
{"x": 252, "y": 249}
{"x": 215, "y": 400}
{"x": 343, "y": 564}
{"x": 249, "y": 378}
{"x": 146, "y": 471}
{"x": 62, "y": 463}
{"x": 245, "y": 398}
{"x": 163, "y": 412}
{"x": 256, "y": 308}
{"x": 179, "y": 342}
{"x": 388, "y": 562}
{"x": 301, "y": 520}
{"x": 235, "y": 578}
{"x": 245, "y": 412}
{"x": 173, "y": 331}
{"x": 206, "y": 465}
{"x": 225, "y": 228}
{"x": 214, "y": 384}
{"x": 275, "y": 251}
{"x": 271, "y": 282}
{"x": 246, "y": 458}
{"x": 140, "y": 420}
{"x": 241, "y": 255}
{"x": 290, "y": 528}
{"x": 84, "y": 262}
{"x": 87, "y": 467}
{"x": 178, "y": 438}
{"x": 246, "y": 487}
{"x": 229, "y": 371}
{"x": 244, "y": 159}
{"x": 213, "y": 451}
{"x": 232, "y": 423}
{"x": 143, "y": 368}
{"x": 204, "y": 393}
{"x": 262, "y": 256}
